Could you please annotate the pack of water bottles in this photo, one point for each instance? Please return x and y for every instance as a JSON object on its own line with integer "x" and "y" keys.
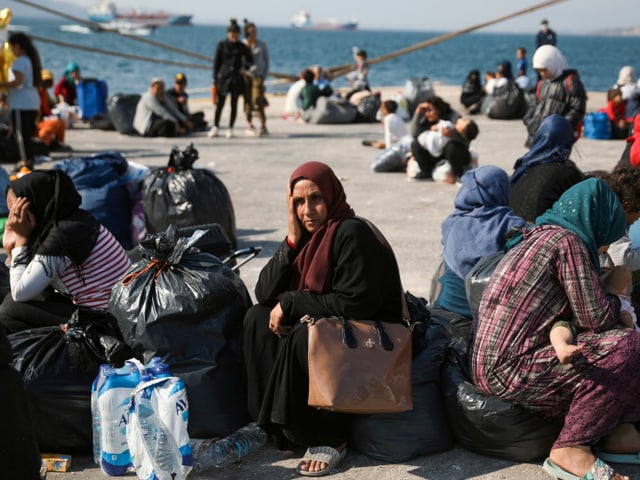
{"x": 140, "y": 416}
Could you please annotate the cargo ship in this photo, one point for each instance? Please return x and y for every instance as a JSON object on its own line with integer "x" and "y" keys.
{"x": 302, "y": 20}
{"x": 106, "y": 12}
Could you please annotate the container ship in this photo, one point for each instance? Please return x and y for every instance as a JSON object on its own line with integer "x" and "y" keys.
{"x": 106, "y": 12}
{"x": 302, "y": 20}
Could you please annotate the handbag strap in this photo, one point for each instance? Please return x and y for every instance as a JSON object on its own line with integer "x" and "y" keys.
{"x": 406, "y": 316}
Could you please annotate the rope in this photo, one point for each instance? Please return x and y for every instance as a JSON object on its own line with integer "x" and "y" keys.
{"x": 348, "y": 67}
{"x": 160, "y": 265}
{"x": 99, "y": 28}
{"x": 118, "y": 54}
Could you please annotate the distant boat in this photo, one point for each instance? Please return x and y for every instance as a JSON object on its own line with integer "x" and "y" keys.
{"x": 302, "y": 20}
{"x": 75, "y": 28}
{"x": 106, "y": 12}
{"x": 120, "y": 26}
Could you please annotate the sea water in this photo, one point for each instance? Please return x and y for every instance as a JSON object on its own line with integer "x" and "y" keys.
{"x": 597, "y": 58}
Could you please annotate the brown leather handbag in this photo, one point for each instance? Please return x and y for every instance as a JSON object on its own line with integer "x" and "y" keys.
{"x": 359, "y": 366}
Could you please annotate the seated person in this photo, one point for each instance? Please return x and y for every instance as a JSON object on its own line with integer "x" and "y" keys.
{"x": 476, "y": 228}
{"x": 322, "y": 81}
{"x": 394, "y": 127}
{"x": 65, "y": 89}
{"x": 50, "y": 129}
{"x": 472, "y": 92}
{"x": 322, "y": 268}
{"x": 453, "y": 148}
{"x": 51, "y": 242}
{"x": 616, "y": 111}
{"x": 550, "y": 273}
{"x": 292, "y": 100}
{"x": 310, "y": 92}
{"x": 358, "y": 78}
{"x": 156, "y": 115}
{"x": 543, "y": 173}
{"x": 178, "y": 93}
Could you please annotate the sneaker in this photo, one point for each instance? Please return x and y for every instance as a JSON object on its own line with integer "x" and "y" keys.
{"x": 263, "y": 131}
{"x": 213, "y": 132}
{"x": 251, "y": 132}
{"x": 230, "y": 133}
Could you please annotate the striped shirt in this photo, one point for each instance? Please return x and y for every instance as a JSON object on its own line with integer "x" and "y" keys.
{"x": 88, "y": 285}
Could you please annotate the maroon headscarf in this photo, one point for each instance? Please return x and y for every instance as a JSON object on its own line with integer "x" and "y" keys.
{"x": 313, "y": 263}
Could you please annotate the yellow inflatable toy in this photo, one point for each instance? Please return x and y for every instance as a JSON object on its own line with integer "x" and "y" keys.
{"x": 6, "y": 57}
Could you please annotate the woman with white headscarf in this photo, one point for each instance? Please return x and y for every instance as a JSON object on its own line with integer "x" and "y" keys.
{"x": 630, "y": 91}
{"x": 558, "y": 91}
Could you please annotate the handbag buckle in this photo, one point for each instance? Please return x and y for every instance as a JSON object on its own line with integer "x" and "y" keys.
{"x": 308, "y": 319}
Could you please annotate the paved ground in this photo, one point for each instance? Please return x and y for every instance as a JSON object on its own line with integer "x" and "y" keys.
{"x": 409, "y": 213}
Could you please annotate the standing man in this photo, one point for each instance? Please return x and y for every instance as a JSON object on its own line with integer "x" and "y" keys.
{"x": 254, "y": 98}
{"x": 156, "y": 115}
{"x": 545, "y": 36}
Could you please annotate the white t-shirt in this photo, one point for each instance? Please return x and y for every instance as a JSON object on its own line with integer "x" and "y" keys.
{"x": 24, "y": 97}
{"x": 433, "y": 141}
{"x": 394, "y": 129}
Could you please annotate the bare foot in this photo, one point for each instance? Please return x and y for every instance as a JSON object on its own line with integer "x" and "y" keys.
{"x": 577, "y": 460}
{"x": 567, "y": 353}
{"x": 312, "y": 466}
{"x": 624, "y": 438}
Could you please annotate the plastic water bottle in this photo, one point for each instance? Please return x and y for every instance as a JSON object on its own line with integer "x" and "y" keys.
{"x": 113, "y": 405}
{"x": 105, "y": 370}
{"x": 157, "y": 430}
{"x": 208, "y": 454}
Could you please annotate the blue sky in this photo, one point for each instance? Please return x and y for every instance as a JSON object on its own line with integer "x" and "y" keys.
{"x": 570, "y": 16}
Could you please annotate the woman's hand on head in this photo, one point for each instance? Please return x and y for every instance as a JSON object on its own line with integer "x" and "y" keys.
{"x": 276, "y": 321}
{"x": 21, "y": 221}
{"x": 295, "y": 229}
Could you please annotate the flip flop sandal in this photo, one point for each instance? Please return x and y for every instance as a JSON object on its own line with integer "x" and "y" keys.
{"x": 328, "y": 455}
{"x": 598, "y": 471}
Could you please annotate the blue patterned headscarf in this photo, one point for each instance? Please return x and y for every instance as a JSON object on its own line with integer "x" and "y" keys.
{"x": 551, "y": 144}
{"x": 481, "y": 219}
{"x": 591, "y": 210}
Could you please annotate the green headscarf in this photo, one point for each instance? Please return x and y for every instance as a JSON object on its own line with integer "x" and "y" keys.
{"x": 591, "y": 210}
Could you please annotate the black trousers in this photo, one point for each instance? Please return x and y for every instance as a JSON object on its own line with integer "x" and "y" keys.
{"x": 18, "y": 316}
{"x": 161, "y": 127}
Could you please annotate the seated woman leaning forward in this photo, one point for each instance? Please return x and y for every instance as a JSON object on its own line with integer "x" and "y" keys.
{"x": 324, "y": 267}
{"x": 551, "y": 273}
{"x": 60, "y": 257}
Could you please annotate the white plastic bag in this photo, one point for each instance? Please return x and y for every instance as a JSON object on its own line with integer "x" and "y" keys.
{"x": 157, "y": 429}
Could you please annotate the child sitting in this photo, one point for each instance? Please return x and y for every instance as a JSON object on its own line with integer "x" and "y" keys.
{"x": 616, "y": 111}
{"x": 563, "y": 333}
{"x": 310, "y": 92}
{"x": 394, "y": 127}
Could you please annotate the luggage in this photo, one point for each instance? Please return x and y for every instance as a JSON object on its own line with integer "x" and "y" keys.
{"x": 488, "y": 425}
{"x": 92, "y": 97}
{"x": 108, "y": 190}
{"x": 397, "y": 437}
{"x": 184, "y": 196}
{"x": 368, "y": 108}
{"x": 331, "y": 111}
{"x": 506, "y": 102}
{"x": 597, "y": 126}
{"x": 187, "y": 307}
{"x": 416, "y": 91}
{"x": 122, "y": 109}
{"x": 58, "y": 368}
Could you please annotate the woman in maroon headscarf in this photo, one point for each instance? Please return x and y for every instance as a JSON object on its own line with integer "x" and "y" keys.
{"x": 330, "y": 263}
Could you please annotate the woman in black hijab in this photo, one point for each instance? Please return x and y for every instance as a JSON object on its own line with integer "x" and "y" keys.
{"x": 51, "y": 242}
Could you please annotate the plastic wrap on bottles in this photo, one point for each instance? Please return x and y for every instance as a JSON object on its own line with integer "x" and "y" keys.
{"x": 391, "y": 159}
{"x": 157, "y": 429}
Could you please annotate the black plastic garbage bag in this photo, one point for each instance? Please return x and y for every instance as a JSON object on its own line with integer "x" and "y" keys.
{"x": 368, "y": 109}
{"x": 58, "y": 365}
{"x": 488, "y": 425}
{"x": 187, "y": 307}
{"x": 19, "y": 452}
{"x": 391, "y": 159}
{"x": 183, "y": 196}
{"x": 122, "y": 109}
{"x": 396, "y": 437}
